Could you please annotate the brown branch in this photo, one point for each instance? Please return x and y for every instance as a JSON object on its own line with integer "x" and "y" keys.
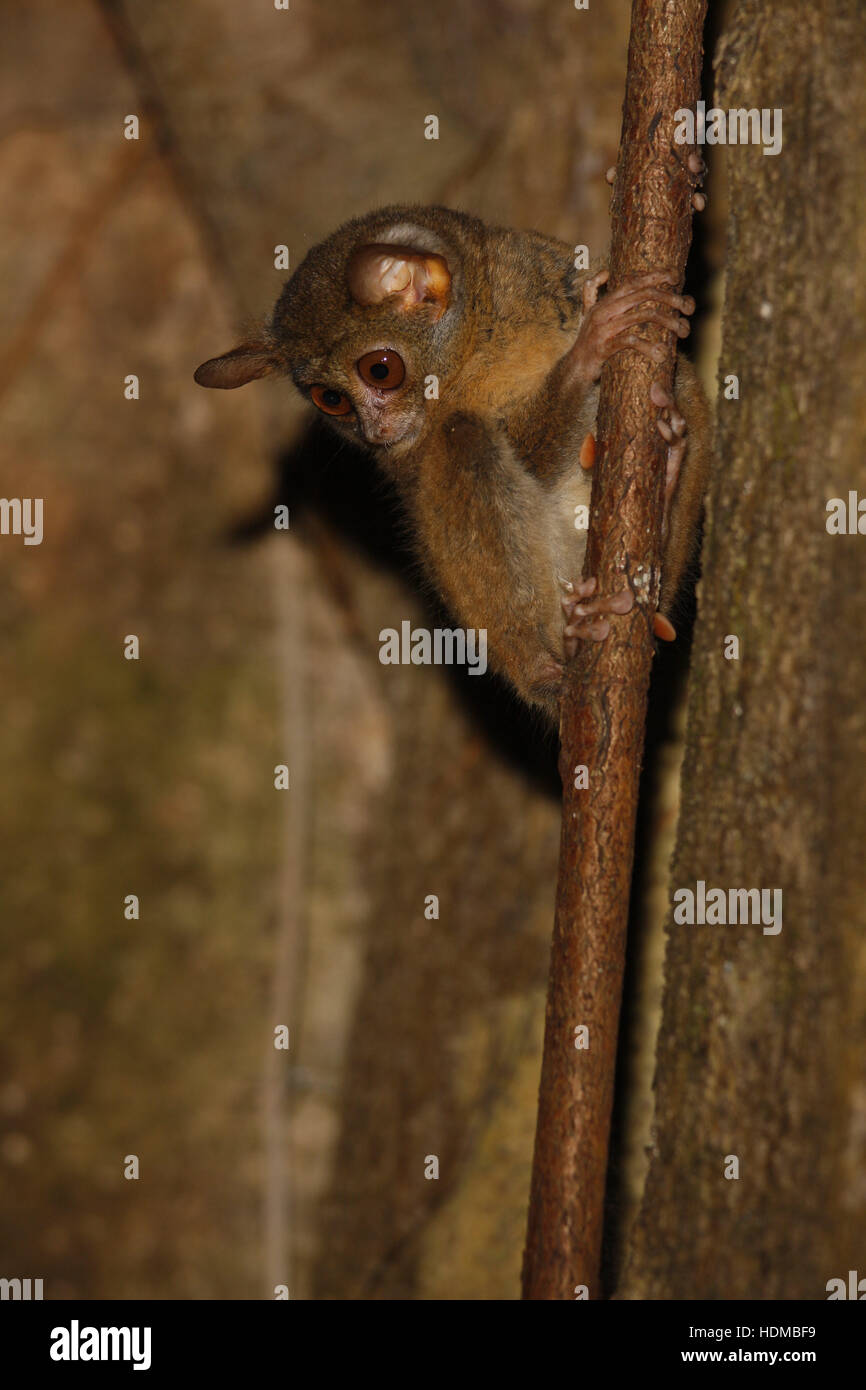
{"x": 604, "y": 707}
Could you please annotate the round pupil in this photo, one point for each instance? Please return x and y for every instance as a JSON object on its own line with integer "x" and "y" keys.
{"x": 379, "y": 370}
{"x": 332, "y": 397}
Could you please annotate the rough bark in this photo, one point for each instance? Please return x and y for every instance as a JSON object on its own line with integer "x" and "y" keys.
{"x": 761, "y": 1048}
{"x": 604, "y": 705}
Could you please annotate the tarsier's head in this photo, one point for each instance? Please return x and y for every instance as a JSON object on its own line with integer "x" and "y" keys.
{"x": 369, "y": 327}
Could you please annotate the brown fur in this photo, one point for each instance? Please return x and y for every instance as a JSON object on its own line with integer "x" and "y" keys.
{"x": 488, "y": 472}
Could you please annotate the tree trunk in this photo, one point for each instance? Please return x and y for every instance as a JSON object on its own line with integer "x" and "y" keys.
{"x": 605, "y": 694}
{"x": 760, "y": 1054}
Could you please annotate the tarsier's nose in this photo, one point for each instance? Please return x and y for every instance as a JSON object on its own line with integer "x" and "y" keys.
{"x": 380, "y": 434}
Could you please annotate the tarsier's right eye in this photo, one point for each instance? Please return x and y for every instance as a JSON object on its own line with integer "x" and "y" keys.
{"x": 329, "y": 400}
{"x": 383, "y": 368}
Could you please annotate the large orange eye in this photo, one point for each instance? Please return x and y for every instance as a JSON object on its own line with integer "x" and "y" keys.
{"x": 331, "y": 401}
{"x": 382, "y": 368}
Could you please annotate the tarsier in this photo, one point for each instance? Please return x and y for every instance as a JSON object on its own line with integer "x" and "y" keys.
{"x": 410, "y": 301}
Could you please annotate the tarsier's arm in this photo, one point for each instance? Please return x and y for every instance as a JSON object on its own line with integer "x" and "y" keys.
{"x": 491, "y": 550}
{"x": 548, "y": 426}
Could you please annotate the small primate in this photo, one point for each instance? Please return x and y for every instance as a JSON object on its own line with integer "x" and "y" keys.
{"x": 466, "y": 358}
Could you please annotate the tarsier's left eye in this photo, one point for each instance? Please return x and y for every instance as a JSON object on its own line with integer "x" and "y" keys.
{"x": 382, "y": 368}
{"x": 329, "y": 400}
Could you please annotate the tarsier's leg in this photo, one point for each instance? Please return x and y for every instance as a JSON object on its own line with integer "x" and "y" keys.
{"x": 672, "y": 428}
{"x": 684, "y": 433}
{"x": 584, "y": 615}
{"x": 609, "y": 325}
{"x": 684, "y": 423}
{"x": 683, "y": 494}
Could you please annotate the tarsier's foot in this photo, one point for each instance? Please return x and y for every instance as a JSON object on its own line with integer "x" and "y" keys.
{"x": 584, "y": 615}
{"x": 696, "y": 167}
{"x": 584, "y": 623}
{"x": 609, "y": 323}
{"x": 672, "y": 428}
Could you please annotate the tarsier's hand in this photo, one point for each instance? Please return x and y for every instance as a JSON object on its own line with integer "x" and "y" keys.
{"x": 609, "y": 322}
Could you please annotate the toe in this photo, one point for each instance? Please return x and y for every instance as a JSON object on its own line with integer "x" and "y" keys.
{"x": 665, "y": 430}
{"x": 623, "y": 602}
{"x": 593, "y": 629}
{"x": 661, "y": 397}
{"x": 664, "y": 628}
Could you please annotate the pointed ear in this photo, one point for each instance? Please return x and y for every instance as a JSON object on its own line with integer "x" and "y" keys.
{"x": 383, "y": 271}
{"x": 245, "y": 363}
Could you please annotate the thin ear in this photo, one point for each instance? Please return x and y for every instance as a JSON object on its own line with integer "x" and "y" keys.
{"x": 383, "y": 271}
{"x": 245, "y": 363}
